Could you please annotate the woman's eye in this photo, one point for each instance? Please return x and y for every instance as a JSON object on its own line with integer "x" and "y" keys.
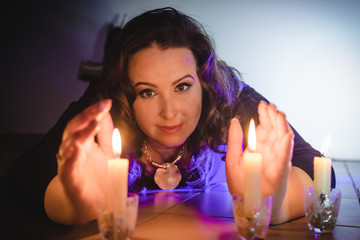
{"x": 146, "y": 93}
{"x": 182, "y": 87}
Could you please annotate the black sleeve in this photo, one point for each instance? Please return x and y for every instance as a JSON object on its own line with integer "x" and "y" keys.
{"x": 30, "y": 173}
{"x": 303, "y": 154}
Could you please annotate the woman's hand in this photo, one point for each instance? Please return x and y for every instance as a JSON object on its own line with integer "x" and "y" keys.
{"x": 81, "y": 166}
{"x": 274, "y": 140}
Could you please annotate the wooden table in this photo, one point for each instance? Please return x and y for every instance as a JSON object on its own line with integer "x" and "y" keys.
{"x": 188, "y": 215}
{"x": 183, "y": 214}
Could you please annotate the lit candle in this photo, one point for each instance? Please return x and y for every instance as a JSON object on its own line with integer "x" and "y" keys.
{"x": 252, "y": 165}
{"x": 322, "y": 171}
{"x": 118, "y": 176}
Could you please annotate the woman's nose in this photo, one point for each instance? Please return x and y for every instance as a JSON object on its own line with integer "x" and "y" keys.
{"x": 168, "y": 108}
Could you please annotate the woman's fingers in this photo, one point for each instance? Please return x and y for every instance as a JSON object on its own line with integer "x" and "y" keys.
{"x": 81, "y": 136}
{"x": 234, "y": 172}
{"x": 80, "y": 132}
{"x": 82, "y": 127}
{"x": 264, "y": 117}
{"x": 273, "y": 113}
{"x": 235, "y": 141}
{"x": 105, "y": 133}
{"x": 272, "y": 119}
{"x": 94, "y": 112}
{"x": 275, "y": 134}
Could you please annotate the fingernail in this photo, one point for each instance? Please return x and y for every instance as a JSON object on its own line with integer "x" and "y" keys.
{"x": 106, "y": 104}
{"x": 233, "y": 120}
{"x": 103, "y": 105}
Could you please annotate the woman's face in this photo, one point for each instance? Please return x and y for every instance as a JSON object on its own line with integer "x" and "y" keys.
{"x": 168, "y": 100}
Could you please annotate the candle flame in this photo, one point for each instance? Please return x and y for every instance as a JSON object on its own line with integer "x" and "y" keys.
{"x": 116, "y": 142}
{"x": 252, "y": 136}
{"x": 325, "y": 146}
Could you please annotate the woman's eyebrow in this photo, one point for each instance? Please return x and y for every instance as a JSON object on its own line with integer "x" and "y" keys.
{"x": 178, "y": 80}
{"x": 144, "y": 83}
{"x": 174, "y": 83}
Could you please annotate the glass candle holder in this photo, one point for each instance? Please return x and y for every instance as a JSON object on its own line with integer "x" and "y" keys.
{"x": 322, "y": 211}
{"x": 255, "y": 224}
{"x": 119, "y": 226}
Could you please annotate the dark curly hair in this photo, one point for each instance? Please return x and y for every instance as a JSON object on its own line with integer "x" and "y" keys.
{"x": 167, "y": 28}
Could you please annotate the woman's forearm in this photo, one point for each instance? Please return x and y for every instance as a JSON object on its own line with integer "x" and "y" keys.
{"x": 292, "y": 206}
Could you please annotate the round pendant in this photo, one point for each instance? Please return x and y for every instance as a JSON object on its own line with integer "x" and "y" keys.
{"x": 167, "y": 178}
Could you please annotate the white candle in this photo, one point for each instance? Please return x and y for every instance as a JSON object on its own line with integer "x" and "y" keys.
{"x": 118, "y": 169}
{"x": 252, "y": 166}
{"x": 322, "y": 172}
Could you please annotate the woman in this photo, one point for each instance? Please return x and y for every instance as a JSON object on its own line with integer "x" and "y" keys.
{"x": 173, "y": 102}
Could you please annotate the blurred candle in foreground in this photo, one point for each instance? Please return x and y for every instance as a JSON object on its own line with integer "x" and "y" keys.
{"x": 118, "y": 176}
{"x": 322, "y": 171}
{"x": 252, "y": 167}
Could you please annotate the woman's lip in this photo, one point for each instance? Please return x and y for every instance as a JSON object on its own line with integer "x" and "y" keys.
{"x": 171, "y": 129}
